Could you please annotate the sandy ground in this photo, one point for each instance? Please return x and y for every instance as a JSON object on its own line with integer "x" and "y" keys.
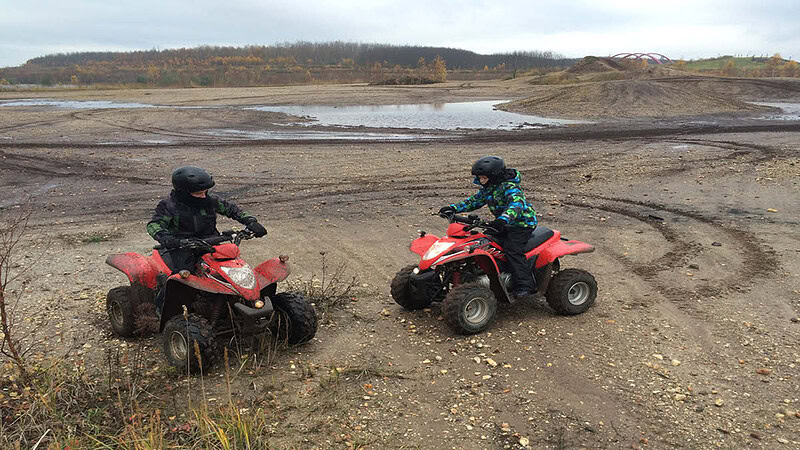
{"x": 693, "y": 341}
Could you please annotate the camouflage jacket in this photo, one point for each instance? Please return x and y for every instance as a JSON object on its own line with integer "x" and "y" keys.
{"x": 505, "y": 200}
{"x": 182, "y": 217}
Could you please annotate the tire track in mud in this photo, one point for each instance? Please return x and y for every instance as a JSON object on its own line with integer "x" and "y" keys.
{"x": 758, "y": 261}
{"x": 61, "y": 167}
{"x": 91, "y": 116}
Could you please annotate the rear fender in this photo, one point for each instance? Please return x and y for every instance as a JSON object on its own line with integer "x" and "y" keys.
{"x": 559, "y": 248}
{"x": 272, "y": 271}
{"x": 139, "y": 269}
{"x": 421, "y": 244}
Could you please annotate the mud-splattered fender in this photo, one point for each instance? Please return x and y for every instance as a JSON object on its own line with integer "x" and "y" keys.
{"x": 272, "y": 271}
{"x": 140, "y": 269}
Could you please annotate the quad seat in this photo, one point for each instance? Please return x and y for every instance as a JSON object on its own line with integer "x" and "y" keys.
{"x": 538, "y": 237}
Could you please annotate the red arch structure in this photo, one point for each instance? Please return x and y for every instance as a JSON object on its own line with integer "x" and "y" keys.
{"x": 658, "y": 58}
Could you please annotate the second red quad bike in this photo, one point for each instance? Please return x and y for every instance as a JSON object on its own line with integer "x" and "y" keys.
{"x": 223, "y": 297}
{"x": 467, "y": 271}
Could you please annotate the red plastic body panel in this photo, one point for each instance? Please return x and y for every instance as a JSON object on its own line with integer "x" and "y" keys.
{"x": 422, "y": 244}
{"x": 555, "y": 248}
{"x": 456, "y": 229}
{"x": 226, "y": 251}
{"x": 139, "y": 269}
{"x": 272, "y": 271}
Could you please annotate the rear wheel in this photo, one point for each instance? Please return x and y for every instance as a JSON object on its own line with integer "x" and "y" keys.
{"x": 180, "y": 336}
{"x": 297, "y": 320}
{"x": 571, "y": 291}
{"x": 469, "y": 308}
{"x": 121, "y": 311}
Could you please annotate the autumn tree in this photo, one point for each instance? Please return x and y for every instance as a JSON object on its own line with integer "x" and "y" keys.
{"x": 439, "y": 70}
{"x": 729, "y": 69}
{"x": 773, "y": 64}
{"x": 790, "y": 69}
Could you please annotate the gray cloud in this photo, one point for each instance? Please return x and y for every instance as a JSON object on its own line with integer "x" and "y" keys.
{"x": 679, "y": 28}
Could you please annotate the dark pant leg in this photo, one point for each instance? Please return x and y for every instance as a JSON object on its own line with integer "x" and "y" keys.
{"x": 514, "y": 243}
{"x": 176, "y": 260}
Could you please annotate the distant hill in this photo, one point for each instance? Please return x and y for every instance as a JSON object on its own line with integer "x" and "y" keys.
{"x": 277, "y": 64}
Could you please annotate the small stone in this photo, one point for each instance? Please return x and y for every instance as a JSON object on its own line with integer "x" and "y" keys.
{"x": 680, "y": 397}
{"x": 486, "y": 377}
{"x": 755, "y": 435}
{"x": 716, "y": 244}
{"x": 658, "y": 356}
{"x": 772, "y": 210}
{"x": 385, "y": 312}
{"x": 719, "y": 402}
{"x": 764, "y": 371}
{"x": 675, "y": 362}
{"x": 505, "y": 427}
{"x": 491, "y": 362}
{"x": 779, "y": 416}
{"x": 694, "y": 267}
{"x": 783, "y": 440}
{"x": 477, "y": 360}
{"x": 469, "y": 427}
{"x": 523, "y": 441}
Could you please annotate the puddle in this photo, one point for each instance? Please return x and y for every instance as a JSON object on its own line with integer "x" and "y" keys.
{"x": 74, "y": 104}
{"x": 440, "y": 116}
{"x": 318, "y": 135}
{"x": 790, "y": 111}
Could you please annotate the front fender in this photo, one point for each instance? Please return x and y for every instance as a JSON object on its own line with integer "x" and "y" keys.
{"x": 421, "y": 244}
{"x": 139, "y": 269}
{"x": 272, "y": 271}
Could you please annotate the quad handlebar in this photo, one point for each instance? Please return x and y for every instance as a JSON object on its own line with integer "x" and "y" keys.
{"x": 472, "y": 221}
{"x": 208, "y": 243}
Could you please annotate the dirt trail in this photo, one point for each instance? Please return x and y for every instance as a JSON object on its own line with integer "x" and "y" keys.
{"x": 699, "y": 281}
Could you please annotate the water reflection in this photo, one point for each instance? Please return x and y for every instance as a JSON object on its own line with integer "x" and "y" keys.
{"x": 441, "y": 116}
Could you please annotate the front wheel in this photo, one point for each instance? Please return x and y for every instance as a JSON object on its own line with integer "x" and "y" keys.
{"x": 297, "y": 318}
{"x": 121, "y": 311}
{"x": 571, "y": 291}
{"x": 469, "y": 308}
{"x": 403, "y": 294}
{"x": 180, "y": 336}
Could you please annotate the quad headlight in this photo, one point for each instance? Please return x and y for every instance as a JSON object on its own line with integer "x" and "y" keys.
{"x": 242, "y": 276}
{"x": 437, "y": 248}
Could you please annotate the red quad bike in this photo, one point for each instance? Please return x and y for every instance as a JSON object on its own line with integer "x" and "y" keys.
{"x": 467, "y": 271}
{"x": 224, "y": 297}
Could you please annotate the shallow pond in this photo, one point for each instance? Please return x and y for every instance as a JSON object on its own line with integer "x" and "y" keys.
{"x": 441, "y": 116}
{"x": 73, "y": 104}
{"x": 790, "y": 111}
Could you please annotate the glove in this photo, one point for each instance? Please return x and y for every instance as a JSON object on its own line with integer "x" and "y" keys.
{"x": 498, "y": 224}
{"x": 257, "y": 229}
{"x": 447, "y": 211}
{"x": 168, "y": 241}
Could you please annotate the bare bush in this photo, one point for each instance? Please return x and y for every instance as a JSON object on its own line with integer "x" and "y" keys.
{"x": 328, "y": 290}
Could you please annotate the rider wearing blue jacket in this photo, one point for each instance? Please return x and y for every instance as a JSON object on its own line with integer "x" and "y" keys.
{"x": 515, "y": 218}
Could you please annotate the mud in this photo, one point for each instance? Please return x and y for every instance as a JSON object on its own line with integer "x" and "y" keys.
{"x": 695, "y": 223}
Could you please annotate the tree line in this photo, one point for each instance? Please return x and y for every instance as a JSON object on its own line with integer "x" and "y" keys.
{"x": 274, "y": 64}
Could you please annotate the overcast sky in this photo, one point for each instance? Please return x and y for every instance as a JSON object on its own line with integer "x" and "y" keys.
{"x": 678, "y": 28}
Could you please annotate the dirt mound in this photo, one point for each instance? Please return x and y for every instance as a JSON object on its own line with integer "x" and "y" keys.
{"x": 628, "y": 99}
{"x": 593, "y": 64}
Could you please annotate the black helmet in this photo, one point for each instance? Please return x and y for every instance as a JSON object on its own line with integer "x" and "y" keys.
{"x": 490, "y": 166}
{"x": 191, "y": 179}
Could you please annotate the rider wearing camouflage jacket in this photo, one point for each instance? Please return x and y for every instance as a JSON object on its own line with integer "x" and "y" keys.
{"x": 505, "y": 199}
{"x": 515, "y": 218}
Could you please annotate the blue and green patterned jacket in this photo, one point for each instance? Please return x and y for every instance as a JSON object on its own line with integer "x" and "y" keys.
{"x": 506, "y": 201}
